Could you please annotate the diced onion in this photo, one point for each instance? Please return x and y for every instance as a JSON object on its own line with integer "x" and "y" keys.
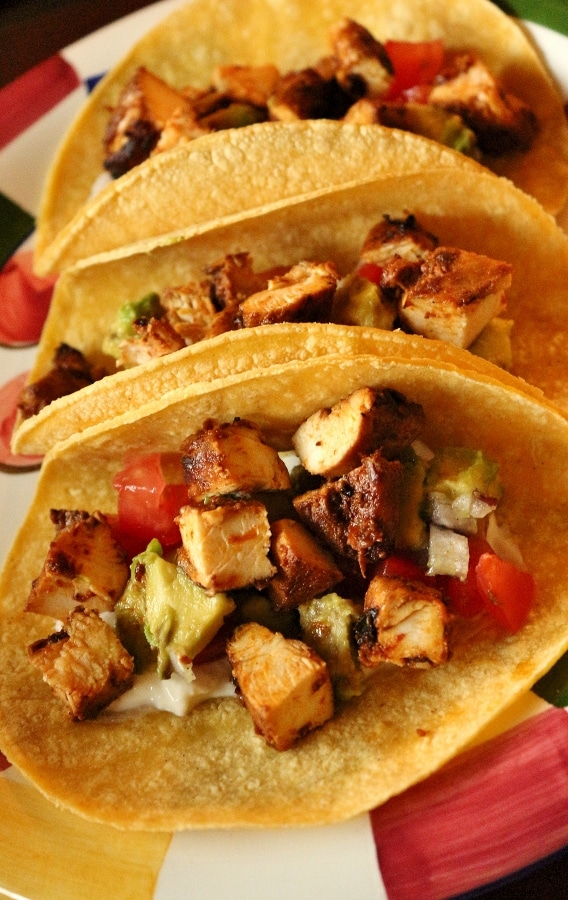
{"x": 448, "y": 553}
{"x": 503, "y": 544}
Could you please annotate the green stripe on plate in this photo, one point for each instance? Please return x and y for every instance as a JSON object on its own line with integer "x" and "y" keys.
{"x": 15, "y": 226}
{"x": 553, "y": 687}
{"x": 552, "y": 13}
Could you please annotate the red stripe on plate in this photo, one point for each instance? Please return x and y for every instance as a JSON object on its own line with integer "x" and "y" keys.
{"x": 33, "y": 94}
{"x": 9, "y": 396}
{"x": 4, "y": 764}
{"x": 493, "y": 810}
{"x": 24, "y": 301}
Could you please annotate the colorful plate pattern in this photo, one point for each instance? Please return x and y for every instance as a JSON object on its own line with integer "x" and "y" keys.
{"x": 498, "y": 808}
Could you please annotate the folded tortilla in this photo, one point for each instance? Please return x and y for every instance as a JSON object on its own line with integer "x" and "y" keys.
{"x": 156, "y": 771}
{"x": 467, "y": 208}
{"x": 185, "y": 48}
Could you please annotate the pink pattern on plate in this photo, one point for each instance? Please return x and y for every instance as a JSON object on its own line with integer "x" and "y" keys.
{"x": 33, "y": 94}
{"x": 9, "y": 396}
{"x": 24, "y": 301}
{"x": 493, "y": 810}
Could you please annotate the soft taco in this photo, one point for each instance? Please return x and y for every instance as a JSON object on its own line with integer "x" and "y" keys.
{"x": 483, "y": 75}
{"x": 115, "y": 305}
{"x": 478, "y": 465}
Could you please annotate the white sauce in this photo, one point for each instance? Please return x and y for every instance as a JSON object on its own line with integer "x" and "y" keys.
{"x": 176, "y": 694}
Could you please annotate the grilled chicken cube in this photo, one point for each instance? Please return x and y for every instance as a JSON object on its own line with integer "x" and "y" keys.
{"x": 358, "y": 514}
{"x": 405, "y": 622}
{"x": 69, "y": 372}
{"x": 152, "y": 338}
{"x": 251, "y": 84}
{"x": 189, "y": 309}
{"x": 304, "y": 570}
{"x": 84, "y": 566}
{"x": 180, "y": 128}
{"x": 404, "y": 238}
{"x": 225, "y": 546}
{"x": 451, "y": 295}
{"x": 333, "y": 441}
{"x": 500, "y": 120}
{"x": 284, "y": 684}
{"x": 134, "y": 127}
{"x": 304, "y": 95}
{"x": 303, "y": 294}
{"x": 363, "y": 65}
{"x": 231, "y": 458}
{"x": 233, "y": 279}
{"x": 85, "y": 664}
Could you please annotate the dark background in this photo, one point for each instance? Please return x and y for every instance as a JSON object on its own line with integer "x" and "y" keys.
{"x": 31, "y": 31}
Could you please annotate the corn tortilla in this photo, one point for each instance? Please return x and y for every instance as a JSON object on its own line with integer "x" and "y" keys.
{"x": 209, "y": 769}
{"x": 185, "y": 48}
{"x": 471, "y": 209}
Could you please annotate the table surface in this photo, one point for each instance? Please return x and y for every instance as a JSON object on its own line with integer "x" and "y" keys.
{"x": 31, "y": 31}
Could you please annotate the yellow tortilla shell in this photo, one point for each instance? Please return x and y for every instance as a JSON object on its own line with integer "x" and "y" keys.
{"x": 474, "y": 210}
{"x": 185, "y": 48}
{"x": 209, "y": 769}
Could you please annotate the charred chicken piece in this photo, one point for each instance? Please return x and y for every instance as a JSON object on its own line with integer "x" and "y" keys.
{"x": 249, "y": 84}
{"x": 284, "y": 684}
{"x": 231, "y": 458}
{"x": 233, "y": 279}
{"x": 85, "y": 664}
{"x": 304, "y": 570}
{"x": 404, "y": 238}
{"x": 225, "y": 546}
{"x": 363, "y": 65}
{"x": 303, "y": 294}
{"x": 84, "y": 566}
{"x": 500, "y": 120}
{"x": 70, "y": 372}
{"x": 405, "y": 623}
{"x": 450, "y": 295}
{"x": 357, "y": 515}
{"x": 307, "y": 95}
{"x": 189, "y": 309}
{"x": 333, "y": 441}
{"x": 152, "y": 338}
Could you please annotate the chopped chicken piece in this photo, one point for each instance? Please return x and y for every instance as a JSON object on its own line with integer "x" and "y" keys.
{"x": 357, "y": 515}
{"x": 405, "y": 238}
{"x": 85, "y": 665}
{"x": 134, "y": 127}
{"x": 252, "y": 84}
{"x": 451, "y": 295}
{"x": 70, "y": 372}
{"x": 284, "y": 684}
{"x": 363, "y": 65}
{"x": 84, "y": 566}
{"x": 233, "y": 280}
{"x": 231, "y": 458}
{"x": 153, "y": 338}
{"x": 304, "y": 570}
{"x": 306, "y": 95}
{"x": 405, "y": 623}
{"x": 225, "y": 546}
{"x": 501, "y": 122}
{"x": 189, "y": 309}
{"x": 333, "y": 441}
{"x": 226, "y": 320}
{"x": 180, "y": 128}
{"x": 303, "y": 294}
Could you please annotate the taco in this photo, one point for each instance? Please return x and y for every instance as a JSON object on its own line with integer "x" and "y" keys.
{"x": 448, "y": 437}
{"x": 292, "y": 44}
{"x": 473, "y": 211}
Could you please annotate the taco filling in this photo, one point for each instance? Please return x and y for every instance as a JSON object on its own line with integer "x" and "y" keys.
{"x": 403, "y": 280}
{"x": 294, "y": 576}
{"x": 450, "y": 97}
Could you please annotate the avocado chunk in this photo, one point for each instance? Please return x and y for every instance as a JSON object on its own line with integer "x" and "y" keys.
{"x": 432, "y": 122}
{"x": 359, "y": 301}
{"x": 412, "y": 532}
{"x": 455, "y": 471}
{"x": 176, "y": 616}
{"x": 327, "y": 627}
{"x": 148, "y": 307}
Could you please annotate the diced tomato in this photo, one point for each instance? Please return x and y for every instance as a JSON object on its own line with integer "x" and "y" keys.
{"x": 414, "y": 63}
{"x": 370, "y": 271}
{"x": 508, "y": 592}
{"x": 464, "y": 597}
{"x": 147, "y": 502}
{"x": 400, "y": 566}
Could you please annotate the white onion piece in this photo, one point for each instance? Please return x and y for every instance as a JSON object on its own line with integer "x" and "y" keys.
{"x": 448, "y": 553}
